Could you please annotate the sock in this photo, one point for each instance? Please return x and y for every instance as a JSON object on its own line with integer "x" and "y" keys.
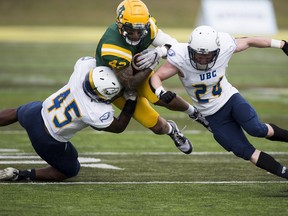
{"x": 190, "y": 110}
{"x": 279, "y": 134}
{"x": 170, "y": 129}
{"x": 268, "y": 163}
{"x": 28, "y": 174}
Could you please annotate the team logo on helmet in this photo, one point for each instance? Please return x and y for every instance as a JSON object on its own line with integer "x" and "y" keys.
{"x": 120, "y": 12}
{"x": 110, "y": 91}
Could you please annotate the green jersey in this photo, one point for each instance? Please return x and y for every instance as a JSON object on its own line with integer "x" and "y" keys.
{"x": 113, "y": 50}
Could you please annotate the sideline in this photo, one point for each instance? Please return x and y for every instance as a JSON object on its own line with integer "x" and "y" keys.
{"x": 68, "y": 34}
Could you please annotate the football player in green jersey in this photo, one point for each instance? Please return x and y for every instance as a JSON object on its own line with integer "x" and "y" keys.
{"x": 134, "y": 31}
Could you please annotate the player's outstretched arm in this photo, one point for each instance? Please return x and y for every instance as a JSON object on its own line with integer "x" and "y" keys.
{"x": 260, "y": 42}
{"x": 8, "y": 117}
{"x": 166, "y": 71}
{"x": 119, "y": 124}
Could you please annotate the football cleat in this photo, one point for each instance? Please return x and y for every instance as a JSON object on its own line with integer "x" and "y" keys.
{"x": 181, "y": 142}
{"x": 10, "y": 174}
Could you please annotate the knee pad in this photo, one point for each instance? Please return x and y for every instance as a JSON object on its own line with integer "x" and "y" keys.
{"x": 256, "y": 129}
{"x": 249, "y": 121}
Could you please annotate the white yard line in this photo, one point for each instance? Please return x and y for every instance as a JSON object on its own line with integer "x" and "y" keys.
{"x": 145, "y": 183}
{"x": 15, "y": 155}
{"x": 94, "y": 162}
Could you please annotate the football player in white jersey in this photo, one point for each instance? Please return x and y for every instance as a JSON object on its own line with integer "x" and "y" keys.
{"x": 84, "y": 101}
{"x": 201, "y": 66}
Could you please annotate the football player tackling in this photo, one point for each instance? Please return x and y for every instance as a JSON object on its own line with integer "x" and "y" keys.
{"x": 84, "y": 101}
{"x": 201, "y": 65}
{"x": 134, "y": 31}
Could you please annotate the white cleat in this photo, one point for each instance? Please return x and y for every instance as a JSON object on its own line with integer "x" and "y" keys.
{"x": 9, "y": 174}
{"x": 181, "y": 142}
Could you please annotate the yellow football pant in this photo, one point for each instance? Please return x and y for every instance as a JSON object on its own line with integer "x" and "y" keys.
{"x": 144, "y": 113}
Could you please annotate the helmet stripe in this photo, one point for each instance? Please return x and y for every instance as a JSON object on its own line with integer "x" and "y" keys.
{"x": 91, "y": 79}
{"x": 93, "y": 85}
{"x": 153, "y": 28}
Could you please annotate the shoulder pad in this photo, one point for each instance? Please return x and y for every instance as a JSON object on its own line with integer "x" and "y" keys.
{"x": 153, "y": 27}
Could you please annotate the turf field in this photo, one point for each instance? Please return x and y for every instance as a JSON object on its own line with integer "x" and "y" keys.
{"x": 137, "y": 172}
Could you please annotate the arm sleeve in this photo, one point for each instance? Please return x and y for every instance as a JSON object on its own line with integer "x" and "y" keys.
{"x": 163, "y": 38}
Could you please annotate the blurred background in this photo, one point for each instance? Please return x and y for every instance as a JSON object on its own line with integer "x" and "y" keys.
{"x": 72, "y": 21}
{"x": 169, "y": 13}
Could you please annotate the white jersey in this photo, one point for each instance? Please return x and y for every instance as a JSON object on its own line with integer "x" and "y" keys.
{"x": 70, "y": 110}
{"x": 209, "y": 90}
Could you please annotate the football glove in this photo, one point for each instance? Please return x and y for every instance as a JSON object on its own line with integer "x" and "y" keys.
{"x": 197, "y": 116}
{"x": 165, "y": 96}
{"x": 149, "y": 57}
{"x": 135, "y": 61}
{"x": 285, "y": 48}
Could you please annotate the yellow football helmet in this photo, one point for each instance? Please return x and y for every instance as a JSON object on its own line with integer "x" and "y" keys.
{"x": 133, "y": 20}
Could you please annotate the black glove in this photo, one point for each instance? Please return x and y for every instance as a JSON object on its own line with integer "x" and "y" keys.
{"x": 167, "y": 96}
{"x": 197, "y": 116}
{"x": 285, "y": 48}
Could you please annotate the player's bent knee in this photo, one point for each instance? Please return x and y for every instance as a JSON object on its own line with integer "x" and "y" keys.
{"x": 260, "y": 130}
{"x": 73, "y": 171}
{"x": 244, "y": 152}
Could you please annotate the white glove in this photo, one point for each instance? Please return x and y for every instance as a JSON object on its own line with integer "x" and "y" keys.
{"x": 130, "y": 95}
{"x": 150, "y": 57}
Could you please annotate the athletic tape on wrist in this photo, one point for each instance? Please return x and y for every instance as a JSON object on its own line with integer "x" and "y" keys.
{"x": 276, "y": 43}
{"x": 159, "y": 90}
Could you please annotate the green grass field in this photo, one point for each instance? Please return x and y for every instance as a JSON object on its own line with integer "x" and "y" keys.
{"x": 137, "y": 172}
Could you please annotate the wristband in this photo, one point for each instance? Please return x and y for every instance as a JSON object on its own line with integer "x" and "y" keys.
{"x": 159, "y": 90}
{"x": 276, "y": 43}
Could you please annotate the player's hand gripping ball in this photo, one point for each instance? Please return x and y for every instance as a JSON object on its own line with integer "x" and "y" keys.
{"x": 136, "y": 69}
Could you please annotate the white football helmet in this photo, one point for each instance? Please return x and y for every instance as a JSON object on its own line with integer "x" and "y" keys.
{"x": 203, "y": 47}
{"x": 102, "y": 85}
